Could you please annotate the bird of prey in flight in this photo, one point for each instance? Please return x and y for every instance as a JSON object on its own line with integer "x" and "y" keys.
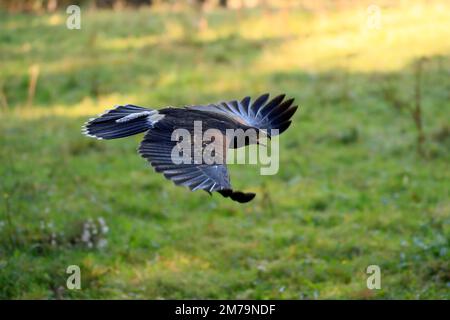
{"x": 262, "y": 115}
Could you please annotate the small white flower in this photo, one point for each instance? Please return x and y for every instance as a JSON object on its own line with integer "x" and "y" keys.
{"x": 86, "y": 236}
{"x": 101, "y": 221}
{"x": 105, "y": 229}
{"x": 102, "y": 243}
{"x": 261, "y": 268}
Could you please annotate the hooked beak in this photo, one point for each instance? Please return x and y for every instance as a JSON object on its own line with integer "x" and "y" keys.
{"x": 263, "y": 134}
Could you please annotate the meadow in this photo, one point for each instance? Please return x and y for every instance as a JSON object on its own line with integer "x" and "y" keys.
{"x": 363, "y": 178}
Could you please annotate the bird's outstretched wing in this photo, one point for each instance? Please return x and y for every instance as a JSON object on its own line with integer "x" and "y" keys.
{"x": 261, "y": 113}
{"x": 157, "y": 148}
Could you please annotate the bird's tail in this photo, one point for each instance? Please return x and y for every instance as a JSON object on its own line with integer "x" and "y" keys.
{"x": 123, "y": 121}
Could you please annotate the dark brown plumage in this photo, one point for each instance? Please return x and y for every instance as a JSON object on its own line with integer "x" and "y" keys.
{"x": 157, "y": 146}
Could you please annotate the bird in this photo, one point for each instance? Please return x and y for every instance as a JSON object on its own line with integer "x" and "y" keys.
{"x": 267, "y": 117}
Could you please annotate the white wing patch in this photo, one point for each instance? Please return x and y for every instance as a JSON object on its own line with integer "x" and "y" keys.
{"x": 153, "y": 117}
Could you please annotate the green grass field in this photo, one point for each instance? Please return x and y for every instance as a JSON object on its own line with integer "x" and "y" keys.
{"x": 351, "y": 191}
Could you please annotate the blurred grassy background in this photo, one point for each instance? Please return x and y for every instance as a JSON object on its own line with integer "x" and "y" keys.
{"x": 364, "y": 169}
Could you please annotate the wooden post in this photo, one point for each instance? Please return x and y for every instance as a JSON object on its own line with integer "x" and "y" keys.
{"x": 34, "y": 74}
{"x": 417, "y": 110}
{"x": 3, "y": 99}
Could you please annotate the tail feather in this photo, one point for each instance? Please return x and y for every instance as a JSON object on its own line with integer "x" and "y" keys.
{"x": 123, "y": 121}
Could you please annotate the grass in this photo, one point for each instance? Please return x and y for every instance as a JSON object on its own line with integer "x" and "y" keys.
{"x": 351, "y": 191}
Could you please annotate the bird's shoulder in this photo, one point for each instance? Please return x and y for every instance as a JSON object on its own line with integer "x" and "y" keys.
{"x": 185, "y": 115}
